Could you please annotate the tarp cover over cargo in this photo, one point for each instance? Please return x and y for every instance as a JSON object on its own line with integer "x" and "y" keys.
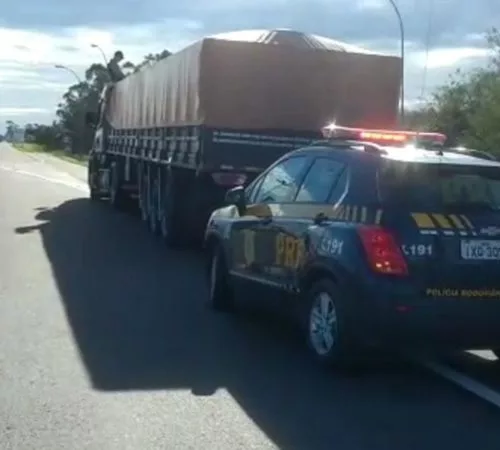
{"x": 261, "y": 79}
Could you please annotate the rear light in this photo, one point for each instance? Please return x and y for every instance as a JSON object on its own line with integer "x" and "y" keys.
{"x": 382, "y": 252}
{"x": 229, "y": 179}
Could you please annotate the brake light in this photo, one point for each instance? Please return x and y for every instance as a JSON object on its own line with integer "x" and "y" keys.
{"x": 229, "y": 179}
{"x": 382, "y": 252}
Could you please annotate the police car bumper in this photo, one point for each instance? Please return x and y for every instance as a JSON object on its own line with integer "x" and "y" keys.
{"x": 421, "y": 320}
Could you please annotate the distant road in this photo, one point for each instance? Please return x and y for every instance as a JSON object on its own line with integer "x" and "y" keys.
{"x": 105, "y": 344}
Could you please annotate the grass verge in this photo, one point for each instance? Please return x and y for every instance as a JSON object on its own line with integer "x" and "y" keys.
{"x": 61, "y": 154}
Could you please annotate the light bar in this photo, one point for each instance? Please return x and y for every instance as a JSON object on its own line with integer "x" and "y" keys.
{"x": 386, "y": 137}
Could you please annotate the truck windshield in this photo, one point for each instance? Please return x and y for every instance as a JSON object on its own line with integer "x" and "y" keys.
{"x": 419, "y": 186}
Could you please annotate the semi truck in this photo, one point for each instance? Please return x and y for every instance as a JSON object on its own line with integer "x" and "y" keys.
{"x": 174, "y": 137}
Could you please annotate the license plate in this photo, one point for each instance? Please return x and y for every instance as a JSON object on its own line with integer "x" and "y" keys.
{"x": 480, "y": 250}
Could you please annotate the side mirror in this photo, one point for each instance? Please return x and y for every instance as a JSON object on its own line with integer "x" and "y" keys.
{"x": 91, "y": 118}
{"x": 236, "y": 196}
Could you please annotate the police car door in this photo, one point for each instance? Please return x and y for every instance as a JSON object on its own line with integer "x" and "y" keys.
{"x": 322, "y": 187}
{"x": 253, "y": 235}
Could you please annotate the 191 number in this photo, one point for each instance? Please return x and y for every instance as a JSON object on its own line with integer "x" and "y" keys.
{"x": 417, "y": 250}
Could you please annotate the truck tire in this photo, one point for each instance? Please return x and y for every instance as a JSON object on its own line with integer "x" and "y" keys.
{"x": 170, "y": 220}
{"x": 117, "y": 196}
{"x": 94, "y": 192}
{"x": 153, "y": 202}
{"x": 143, "y": 193}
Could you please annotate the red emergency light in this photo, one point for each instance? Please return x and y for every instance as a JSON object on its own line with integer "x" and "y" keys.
{"x": 382, "y": 137}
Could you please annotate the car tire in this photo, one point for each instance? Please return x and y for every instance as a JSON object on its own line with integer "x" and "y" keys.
{"x": 220, "y": 297}
{"x": 327, "y": 326}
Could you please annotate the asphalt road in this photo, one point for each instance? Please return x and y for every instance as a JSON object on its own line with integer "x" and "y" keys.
{"x": 105, "y": 344}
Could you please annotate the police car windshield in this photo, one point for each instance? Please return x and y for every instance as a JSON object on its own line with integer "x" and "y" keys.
{"x": 411, "y": 185}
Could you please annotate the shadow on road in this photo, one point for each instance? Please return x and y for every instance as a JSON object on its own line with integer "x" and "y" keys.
{"x": 137, "y": 315}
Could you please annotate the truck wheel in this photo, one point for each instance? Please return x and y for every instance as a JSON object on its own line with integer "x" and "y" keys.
{"x": 220, "y": 296}
{"x": 143, "y": 195}
{"x": 328, "y": 334}
{"x": 94, "y": 195}
{"x": 169, "y": 220}
{"x": 153, "y": 203}
{"x": 117, "y": 196}
{"x": 91, "y": 181}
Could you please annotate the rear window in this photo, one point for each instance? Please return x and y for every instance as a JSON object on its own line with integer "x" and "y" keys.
{"x": 438, "y": 186}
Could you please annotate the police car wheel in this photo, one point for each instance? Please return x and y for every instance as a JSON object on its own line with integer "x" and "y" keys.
{"x": 325, "y": 324}
{"x": 220, "y": 297}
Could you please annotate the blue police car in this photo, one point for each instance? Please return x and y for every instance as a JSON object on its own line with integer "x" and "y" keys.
{"x": 370, "y": 237}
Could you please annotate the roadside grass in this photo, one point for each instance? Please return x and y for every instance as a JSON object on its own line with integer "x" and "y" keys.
{"x": 61, "y": 154}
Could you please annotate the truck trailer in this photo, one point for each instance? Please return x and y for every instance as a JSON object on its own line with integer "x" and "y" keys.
{"x": 177, "y": 135}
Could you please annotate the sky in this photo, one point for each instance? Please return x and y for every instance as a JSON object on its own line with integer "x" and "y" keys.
{"x": 36, "y": 35}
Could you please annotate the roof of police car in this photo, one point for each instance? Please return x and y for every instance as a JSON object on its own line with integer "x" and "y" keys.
{"x": 407, "y": 154}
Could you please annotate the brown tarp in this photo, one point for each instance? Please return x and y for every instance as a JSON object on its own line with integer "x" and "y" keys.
{"x": 247, "y": 85}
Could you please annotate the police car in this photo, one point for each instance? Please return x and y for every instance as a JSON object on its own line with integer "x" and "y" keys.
{"x": 370, "y": 237}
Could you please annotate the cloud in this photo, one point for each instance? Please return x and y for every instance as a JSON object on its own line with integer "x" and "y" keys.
{"x": 35, "y": 37}
{"x": 29, "y": 80}
{"x": 449, "y": 57}
{"x": 22, "y": 111}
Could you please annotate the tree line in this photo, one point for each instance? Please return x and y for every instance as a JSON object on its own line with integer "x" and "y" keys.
{"x": 466, "y": 108}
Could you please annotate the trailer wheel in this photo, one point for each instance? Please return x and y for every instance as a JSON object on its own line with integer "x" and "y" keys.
{"x": 143, "y": 194}
{"x": 94, "y": 191}
{"x": 153, "y": 202}
{"x": 169, "y": 220}
{"x": 117, "y": 196}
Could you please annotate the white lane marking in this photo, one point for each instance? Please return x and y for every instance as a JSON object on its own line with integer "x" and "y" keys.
{"x": 70, "y": 183}
{"x": 471, "y": 385}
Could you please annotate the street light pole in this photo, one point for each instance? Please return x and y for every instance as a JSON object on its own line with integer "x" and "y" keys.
{"x": 102, "y": 53}
{"x": 79, "y": 115}
{"x": 402, "y": 37}
{"x": 67, "y": 69}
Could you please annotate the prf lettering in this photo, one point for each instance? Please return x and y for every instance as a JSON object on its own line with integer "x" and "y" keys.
{"x": 289, "y": 251}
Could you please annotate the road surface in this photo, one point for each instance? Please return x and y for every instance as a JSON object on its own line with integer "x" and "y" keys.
{"x": 105, "y": 344}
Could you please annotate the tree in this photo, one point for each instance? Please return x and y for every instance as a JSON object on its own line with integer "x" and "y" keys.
{"x": 151, "y": 58}
{"x": 467, "y": 109}
{"x": 84, "y": 96}
{"x": 11, "y": 128}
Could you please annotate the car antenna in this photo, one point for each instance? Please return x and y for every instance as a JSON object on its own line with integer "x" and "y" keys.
{"x": 428, "y": 36}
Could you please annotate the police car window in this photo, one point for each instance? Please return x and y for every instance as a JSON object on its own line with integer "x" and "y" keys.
{"x": 438, "y": 186}
{"x": 252, "y": 189}
{"x": 280, "y": 184}
{"x": 320, "y": 180}
{"x": 340, "y": 187}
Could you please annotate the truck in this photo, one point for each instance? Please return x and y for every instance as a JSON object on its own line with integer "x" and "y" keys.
{"x": 174, "y": 137}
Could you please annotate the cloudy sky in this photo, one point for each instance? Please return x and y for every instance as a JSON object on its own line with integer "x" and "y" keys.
{"x": 37, "y": 34}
